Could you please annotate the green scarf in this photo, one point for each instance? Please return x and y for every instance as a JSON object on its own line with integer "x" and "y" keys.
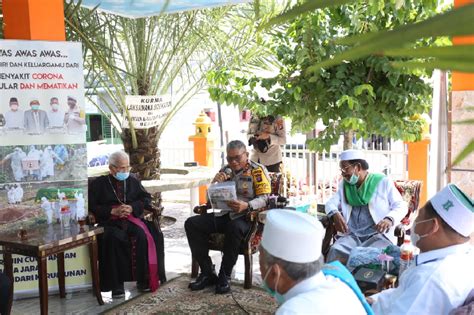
{"x": 362, "y": 195}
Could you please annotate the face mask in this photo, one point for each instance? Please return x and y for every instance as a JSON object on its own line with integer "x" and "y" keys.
{"x": 14, "y": 107}
{"x": 277, "y": 296}
{"x": 54, "y": 106}
{"x": 121, "y": 176}
{"x": 353, "y": 180}
{"x": 35, "y": 107}
{"x": 414, "y": 237}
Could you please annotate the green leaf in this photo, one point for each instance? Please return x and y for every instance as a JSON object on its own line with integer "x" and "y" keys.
{"x": 461, "y": 52}
{"x": 464, "y": 122}
{"x": 442, "y": 64}
{"x": 464, "y": 153}
{"x": 301, "y": 9}
{"x": 459, "y": 21}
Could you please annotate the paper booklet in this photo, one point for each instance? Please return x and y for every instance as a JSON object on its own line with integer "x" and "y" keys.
{"x": 220, "y": 193}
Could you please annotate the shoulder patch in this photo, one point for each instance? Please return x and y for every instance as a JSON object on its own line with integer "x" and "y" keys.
{"x": 261, "y": 182}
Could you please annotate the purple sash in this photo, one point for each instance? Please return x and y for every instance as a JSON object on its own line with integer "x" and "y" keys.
{"x": 152, "y": 259}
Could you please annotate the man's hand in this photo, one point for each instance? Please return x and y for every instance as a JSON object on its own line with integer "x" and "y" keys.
{"x": 220, "y": 177}
{"x": 122, "y": 211}
{"x": 263, "y": 136}
{"x": 384, "y": 225}
{"x": 238, "y": 205}
{"x": 369, "y": 300}
{"x": 340, "y": 223}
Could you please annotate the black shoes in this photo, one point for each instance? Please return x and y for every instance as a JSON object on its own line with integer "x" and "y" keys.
{"x": 118, "y": 292}
{"x": 223, "y": 283}
{"x": 141, "y": 287}
{"x": 203, "y": 281}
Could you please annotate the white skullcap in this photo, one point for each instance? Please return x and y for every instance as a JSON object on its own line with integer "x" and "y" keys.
{"x": 456, "y": 209}
{"x": 292, "y": 236}
{"x": 69, "y": 97}
{"x": 351, "y": 155}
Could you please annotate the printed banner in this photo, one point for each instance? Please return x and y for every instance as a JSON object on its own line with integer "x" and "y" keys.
{"x": 147, "y": 111}
{"x": 43, "y": 155}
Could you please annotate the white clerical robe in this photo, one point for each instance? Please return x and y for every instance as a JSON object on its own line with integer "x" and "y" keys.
{"x": 321, "y": 294}
{"x": 440, "y": 282}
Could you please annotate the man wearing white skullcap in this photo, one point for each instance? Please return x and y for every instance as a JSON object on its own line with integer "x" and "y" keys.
{"x": 441, "y": 278}
{"x": 365, "y": 208}
{"x": 291, "y": 265}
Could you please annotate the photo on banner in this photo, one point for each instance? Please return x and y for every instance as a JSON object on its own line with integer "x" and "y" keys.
{"x": 43, "y": 155}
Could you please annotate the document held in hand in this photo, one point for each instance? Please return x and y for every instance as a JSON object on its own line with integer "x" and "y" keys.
{"x": 220, "y": 193}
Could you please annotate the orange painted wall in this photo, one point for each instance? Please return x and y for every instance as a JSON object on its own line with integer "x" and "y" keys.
{"x": 34, "y": 19}
{"x": 463, "y": 81}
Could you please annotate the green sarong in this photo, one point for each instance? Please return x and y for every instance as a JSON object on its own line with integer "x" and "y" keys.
{"x": 361, "y": 196}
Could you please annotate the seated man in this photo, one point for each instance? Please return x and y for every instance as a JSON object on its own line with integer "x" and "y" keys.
{"x": 5, "y": 292}
{"x": 365, "y": 208}
{"x": 253, "y": 186}
{"x": 441, "y": 278}
{"x": 118, "y": 201}
{"x": 291, "y": 266}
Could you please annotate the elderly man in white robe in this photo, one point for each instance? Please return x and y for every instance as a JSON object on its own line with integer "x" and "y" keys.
{"x": 441, "y": 277}
{"x": 292, "y": 269}
{"x": 364, "y": 210}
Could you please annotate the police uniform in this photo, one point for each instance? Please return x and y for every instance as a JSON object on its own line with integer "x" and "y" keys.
{"x": 253, "y": 186}
{"x": 273, "y": 156}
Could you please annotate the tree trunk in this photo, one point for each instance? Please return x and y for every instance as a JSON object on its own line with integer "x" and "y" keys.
{"x": 347, "y": 144}
{"x": 145, "y": 159}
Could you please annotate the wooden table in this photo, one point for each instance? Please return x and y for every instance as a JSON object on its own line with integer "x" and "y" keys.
{"x": 46, "y": 240}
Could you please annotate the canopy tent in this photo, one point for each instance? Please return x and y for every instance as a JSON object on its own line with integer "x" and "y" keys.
{"x": 144, "y": 8}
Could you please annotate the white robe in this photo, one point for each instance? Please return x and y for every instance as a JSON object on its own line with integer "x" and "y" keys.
{"x": 440, "y": 282}
{"x": 321, "y": 294}
{"x": 386, "y": 202}
{"x": 11, "y": 195}
{"x": 56, "y": 119}
{"x": 14, "y": 119}
{"x": 19, "y": 194}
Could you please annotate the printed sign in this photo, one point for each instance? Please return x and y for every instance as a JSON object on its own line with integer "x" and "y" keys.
{"x": 146, "y": 111}
{"x": 43, "y": 156}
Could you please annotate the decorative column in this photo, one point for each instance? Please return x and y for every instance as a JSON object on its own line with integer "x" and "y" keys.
{"x": 203, "y": 146}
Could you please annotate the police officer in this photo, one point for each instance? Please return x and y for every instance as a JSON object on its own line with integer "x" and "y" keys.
{"x": 267, "y": 134}
{"x": 253, "y": 187}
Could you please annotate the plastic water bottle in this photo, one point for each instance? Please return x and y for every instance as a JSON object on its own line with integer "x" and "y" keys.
{"x": 406, "y": 256}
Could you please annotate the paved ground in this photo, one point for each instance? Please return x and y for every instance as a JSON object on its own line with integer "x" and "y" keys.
{"x": 177, "y": 259}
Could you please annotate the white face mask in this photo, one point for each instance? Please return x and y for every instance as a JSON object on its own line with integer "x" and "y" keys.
{"x": 414, "y": 237}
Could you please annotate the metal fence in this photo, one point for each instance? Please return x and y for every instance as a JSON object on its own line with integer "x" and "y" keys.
{"x": 317, "y": 174}
{"x": 306, "y": 173}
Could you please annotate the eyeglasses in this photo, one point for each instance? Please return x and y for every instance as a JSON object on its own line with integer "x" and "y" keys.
{"x": 236, "y": 158}
{"x": 343, "y": 170}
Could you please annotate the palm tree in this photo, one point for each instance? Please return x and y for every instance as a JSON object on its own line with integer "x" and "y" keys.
{"x": 152, "y": 56}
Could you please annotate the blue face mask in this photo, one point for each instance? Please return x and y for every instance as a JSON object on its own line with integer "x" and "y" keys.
{"x": 353, "y": 180}
{"x": 277, "y": 296}
{"x": 122, "y": 175}
{"x": 35, "y": 107}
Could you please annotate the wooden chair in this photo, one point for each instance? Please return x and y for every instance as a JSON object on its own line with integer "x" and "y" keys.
{"x": 410, "y": 191}
{"x": 250, "y": 244}
{"x": 152, "y": 215}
